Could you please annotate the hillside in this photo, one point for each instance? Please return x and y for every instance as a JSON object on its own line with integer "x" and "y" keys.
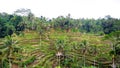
{"x": 41, "y": 50}
{"x": 63, "y": 42}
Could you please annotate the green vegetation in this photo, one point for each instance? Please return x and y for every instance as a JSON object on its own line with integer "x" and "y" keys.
{"x": 63, "y": 42}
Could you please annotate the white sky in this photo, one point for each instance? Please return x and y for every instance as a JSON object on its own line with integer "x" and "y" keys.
{"x": 54, "y": 8}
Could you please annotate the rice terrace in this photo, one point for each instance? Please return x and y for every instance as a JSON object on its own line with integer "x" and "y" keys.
{"x": 29, "y": 41}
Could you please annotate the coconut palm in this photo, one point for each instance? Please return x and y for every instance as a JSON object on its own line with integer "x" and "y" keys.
{"x": 84, "y": 45}
{"x": 115, "y": 39}
{"x": 9, "y": 44}
{"x": 80, "y": 50}
{"x": 52, "y": 55}
{"x": 3, "y": 59}
{"x": 94, "y": 51}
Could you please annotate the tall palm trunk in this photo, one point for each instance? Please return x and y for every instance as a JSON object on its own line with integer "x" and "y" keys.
{"x": 59, "y": 60}
{"x": 113, "y": 62}
{"x": 113, "y": 57}
{"x": 84, "y": 60}
{"x": 10, "y": 52}
{"x": 10, "y": 65}
{"x": 94, "y": 62}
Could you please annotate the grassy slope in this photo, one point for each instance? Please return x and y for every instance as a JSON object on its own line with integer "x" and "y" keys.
{"x": 30, "y": 42}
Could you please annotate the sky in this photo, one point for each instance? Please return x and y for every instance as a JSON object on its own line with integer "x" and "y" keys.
{"x": 55, "y": 8}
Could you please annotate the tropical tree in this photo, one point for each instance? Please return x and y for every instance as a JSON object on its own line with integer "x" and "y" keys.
{"x": 115, "y": 39}
{"x": 84, "y": 45}
{"x": 80, "y": 51}
{"x": 53, "y": 54}
{"x": 93, "y": 51}
{"x": 9, "y": 45}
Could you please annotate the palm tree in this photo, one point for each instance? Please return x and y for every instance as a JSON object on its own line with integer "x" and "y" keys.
{"x": 93, "y": 50}
{"x": 9, "y": 43}
{"x": 51, "y": 54}
{"x": 115, "y": 39}
{"x": 95, "y": 53}
{"x": 84, "y": 45}
{"x": 3, "y": 61}
{"x": 80, "y": 51}
{"x": 60, "y": 45}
